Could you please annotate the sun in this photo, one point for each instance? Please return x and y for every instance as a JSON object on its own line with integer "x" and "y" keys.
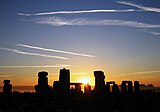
{"x": 85, "y": 81}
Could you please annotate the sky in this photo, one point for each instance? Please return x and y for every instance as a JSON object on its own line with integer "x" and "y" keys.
{"x": 120, "y": 38}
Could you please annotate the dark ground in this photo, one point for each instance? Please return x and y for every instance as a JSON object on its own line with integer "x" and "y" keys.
{"x": 109, "y": 102}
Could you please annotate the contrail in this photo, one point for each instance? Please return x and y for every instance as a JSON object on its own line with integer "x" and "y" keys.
{"x": 153, "y": 9}
{"x": 54, "y": 50}
{"x": 76, "y": 12}
{"x": 137, "y": 73}
{"x": 33, "y": 54}
{"x": 44, "y": 66}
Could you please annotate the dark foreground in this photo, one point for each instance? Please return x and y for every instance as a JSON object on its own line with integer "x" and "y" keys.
{"x": 109, "y": 102}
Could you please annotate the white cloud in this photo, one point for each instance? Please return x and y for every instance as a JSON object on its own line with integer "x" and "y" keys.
{"x": 76, "y": 12}
{"x": 33, "y": 54}
{"x": 57, "y": 21}
{"x": 139, "y": 73}
{"x": 43, "y": 66}
{"x": 54, "y": 50}
{"x": 152, "y": 9}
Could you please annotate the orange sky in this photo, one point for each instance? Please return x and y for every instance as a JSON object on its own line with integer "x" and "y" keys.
{"x": 30, "y": 77}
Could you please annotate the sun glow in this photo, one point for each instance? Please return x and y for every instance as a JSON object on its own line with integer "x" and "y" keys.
{"x": 85, "y": 81}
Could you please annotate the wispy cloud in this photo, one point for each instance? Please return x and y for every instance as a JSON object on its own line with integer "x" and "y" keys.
{"x": 143, "y": 29}
{"x": 76, "y": 12}
{"x": 5, "y": 76}
{"x": 151, "y": 32}
{"x": 139, "y": 73}
{"x": 152, "y": 9}
{"x": 43, "y": 66}
{"x": 33, "y": 54}
{"x": 58, "y": 21}
{"x": 155, "y": 33}
{"x": 74, "y": 73}
{"x": 54, "y": 50}
{"x": 79, "y": 73}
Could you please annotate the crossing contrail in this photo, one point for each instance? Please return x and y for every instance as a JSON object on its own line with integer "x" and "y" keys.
{"x": 76, "y": 12}
{"x": 33, "y": 54}
{"x": 54, "y": 50}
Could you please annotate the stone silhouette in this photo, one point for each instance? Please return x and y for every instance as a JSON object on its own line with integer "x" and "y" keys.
{"x": 99, "y": 81}
{"x": 108, "y": 86}
{"x": 7, "y": 88}
{"x": 64, "y": 80}
{"x": 63, "y": 99}
{"x": 77, "y": 87}
{"x": 136, "y": 87}
{"x": 42, "y": 87}
{"x": 87, "y": 89}
{"x": 62, "y": 87}
{"x": 126, "y": 88}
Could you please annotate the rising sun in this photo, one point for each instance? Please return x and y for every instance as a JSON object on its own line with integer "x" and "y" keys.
{"x": 85, "y": 80}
